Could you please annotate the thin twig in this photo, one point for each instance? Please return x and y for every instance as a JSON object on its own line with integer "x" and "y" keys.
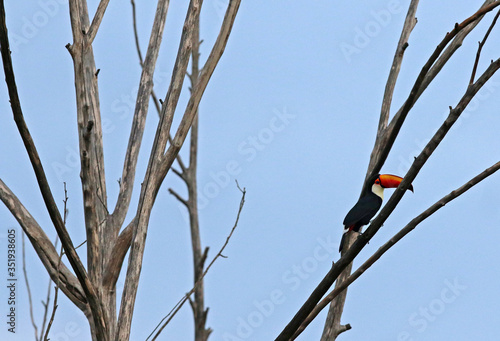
{"x": 178, "y": 197}
{"x": 396, "y": 238}
{"x": 76, "y": 247}
{"x": 136, "y": 34}
{"x": 54, "y": 308}
{"x": 28, "y": 288}
{"x": 186, "y": 297}
{"x": 46, "y": 303}
{"x": 56, "y": 290}
{"x": 480, "y": 47}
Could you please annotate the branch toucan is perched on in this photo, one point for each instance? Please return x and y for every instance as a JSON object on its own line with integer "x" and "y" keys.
{"x": 369, "y": 203}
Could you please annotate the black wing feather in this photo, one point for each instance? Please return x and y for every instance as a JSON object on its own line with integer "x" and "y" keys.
{"x": 363, "y": 211}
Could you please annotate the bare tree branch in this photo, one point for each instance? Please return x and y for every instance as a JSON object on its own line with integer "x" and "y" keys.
{"x": 205, "y": 74}
{"x": 39, "y": 172}
{"x": 139, "y": 54}
{"x": 140, "y": 113}
{"x": 186, "y": 297}
{"x": 56, "y": 290}
{"x": 384, "y": 143}
{"x": 339, "y": 301}
{"x": 376, "y": 223}
{"x": 178, "y": 197}
{"x": 408, "y": 26}
{"x": 44, "y": 248}
{"x": 481, "y": 44}
{"x": 96, "y": 22}
{"x": 54, "y": 306}
{"x": 118, "y": 252}
{"x": 91, "y": 145}
{"x": 47, "y": 300}
{"x": 153, "y": 179}
{"x": 333, "y": 326}
{"x": 396, "y": 238}
{"x": 189, "y": 176}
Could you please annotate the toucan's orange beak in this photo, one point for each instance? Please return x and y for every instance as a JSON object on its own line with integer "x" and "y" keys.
{"x": 392, "y": 181}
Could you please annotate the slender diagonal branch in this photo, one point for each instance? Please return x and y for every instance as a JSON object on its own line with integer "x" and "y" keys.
{"x": 140, "y": 113}
{"x": 376, "y": 223}
{"x": 385, "y": 142}
{"x": 186, "y": 297}
{"x": 44, "y": 248}
{"x": 96, "y": 22}
{"x": 480, "y": 47}
{"x": 396, "y": 238}
{"x": 203, "y": 79}
{"x": 156, "y": 102}
{"x": 408, "y": 26}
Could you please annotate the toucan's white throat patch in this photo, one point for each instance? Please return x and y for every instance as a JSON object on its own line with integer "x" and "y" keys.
{"x": 378, "y": 190}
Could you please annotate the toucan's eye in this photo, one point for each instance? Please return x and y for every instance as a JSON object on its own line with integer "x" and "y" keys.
{"x": 377, "y": 181}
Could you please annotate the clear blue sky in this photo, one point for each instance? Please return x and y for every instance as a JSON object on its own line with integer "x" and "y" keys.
{"x": 292, "y": 111}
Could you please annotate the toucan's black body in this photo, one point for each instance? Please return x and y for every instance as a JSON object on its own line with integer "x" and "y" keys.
{"x": 363, "y": 211}
{"x": 369, "y": 203}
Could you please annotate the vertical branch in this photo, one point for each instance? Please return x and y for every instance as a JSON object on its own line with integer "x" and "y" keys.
{"x": 90, "y": 137}
{"x": 189, "y": 177}
{"x": 203, "y": 79}
{"x": 56, "y": 290}
{"x": 140, "y": 111}
{"x": 152, "y": 179}
{"x": 408, "y": 26}
{"x": 92, "y": 160}
{"x": 198, "y": 305}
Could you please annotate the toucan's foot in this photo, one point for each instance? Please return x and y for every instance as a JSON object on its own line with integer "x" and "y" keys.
{"x": 362, "y": 234}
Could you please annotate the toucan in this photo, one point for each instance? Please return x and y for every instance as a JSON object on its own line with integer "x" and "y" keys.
{"x": 369, "y": 203}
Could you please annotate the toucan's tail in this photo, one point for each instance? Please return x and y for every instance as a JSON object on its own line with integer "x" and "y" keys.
{"x": 344, "y": 235}
{"x": 342, "y": 242}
